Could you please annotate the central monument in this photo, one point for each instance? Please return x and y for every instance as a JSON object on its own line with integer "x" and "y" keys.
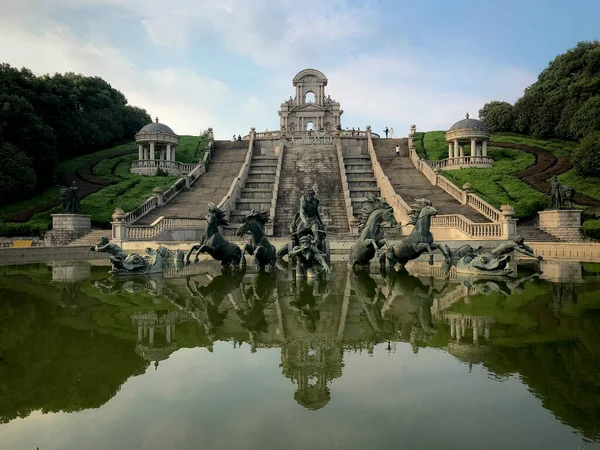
{"x": 310, "y": 109}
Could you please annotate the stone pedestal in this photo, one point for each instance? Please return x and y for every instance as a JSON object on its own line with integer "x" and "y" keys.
{"x": 66, "y": 228}
{"x": 564, "y": 224}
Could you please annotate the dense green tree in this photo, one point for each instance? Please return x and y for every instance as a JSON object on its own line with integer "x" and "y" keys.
{"x": 564, "y": 102}
{"x": 17, "y": 176}
{"x": 586, "y": 157}
{"x": 497, "y": 116}
{"x": 53, "y": 118}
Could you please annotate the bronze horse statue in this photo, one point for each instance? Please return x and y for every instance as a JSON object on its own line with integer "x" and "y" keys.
{"x": 214, "y": 243}
{"x": 373, "y": 214}
{"x": 264, "y": 252}
{"x": 419, "y": 241}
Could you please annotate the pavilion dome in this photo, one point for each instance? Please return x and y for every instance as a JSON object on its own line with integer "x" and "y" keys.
{"x": 468, "y": 124}
{"x": 156, "y": 127}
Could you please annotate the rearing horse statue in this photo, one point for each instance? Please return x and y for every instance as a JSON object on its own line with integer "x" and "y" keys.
{"x": 264, "y": 252}
{"x": 420, "y": 240}
{"x": 214, "y": 243}
{"x": 373, "y": 214}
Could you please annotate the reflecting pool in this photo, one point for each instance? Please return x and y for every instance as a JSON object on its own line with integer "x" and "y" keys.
{"x": 203, "y": 359}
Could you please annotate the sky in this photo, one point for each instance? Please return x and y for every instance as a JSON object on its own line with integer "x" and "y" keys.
{"x": 228, "y": 64}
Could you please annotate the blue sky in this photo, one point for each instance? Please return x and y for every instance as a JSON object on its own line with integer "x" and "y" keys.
{"x": 229, "y": 63}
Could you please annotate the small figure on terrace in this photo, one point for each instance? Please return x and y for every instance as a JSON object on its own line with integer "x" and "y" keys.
{"x": 306, "y": 255}
{"x": 518, "y": 245}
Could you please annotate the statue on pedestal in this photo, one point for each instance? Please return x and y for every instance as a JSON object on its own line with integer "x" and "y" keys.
{"x": 561, "y": 196}
{"x": 307, "y": 255}
{"x": 70, "y": 199}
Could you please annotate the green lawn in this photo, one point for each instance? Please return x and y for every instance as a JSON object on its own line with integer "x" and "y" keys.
{"x": 589, "y": 186}
{"x": 557, "y": 147}
{"x": 497, "y": 186}
{"x": 128, "y": 192}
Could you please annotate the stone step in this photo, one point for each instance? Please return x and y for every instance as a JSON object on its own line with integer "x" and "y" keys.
{"x": 364, "y": 192}
{"x": 266, "y": 193}
{"x": 262, "y": 170}
{"x": 264, "y": 158}
{"x": 269, "y": 164}
{"x": 357, "y": 158}
{"x": 243, "y": 204}
{"x": 359, "y": 167}
{"x": 254, "y": 176}
{"x": 92, "y": 238}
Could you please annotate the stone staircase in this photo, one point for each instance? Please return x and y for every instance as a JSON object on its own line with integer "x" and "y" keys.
{"x": 314, "y": 166}
{"x": 361, "y": 180}
{"x": 257, "y": 191}
{"x": 92, "y": 238}
{"x": 227, "y": 160}
{"x": 411, "y": 184}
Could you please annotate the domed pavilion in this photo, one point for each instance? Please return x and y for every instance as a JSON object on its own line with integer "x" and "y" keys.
{"x": 156, "y": 150}
{"x": 468, "y": 131}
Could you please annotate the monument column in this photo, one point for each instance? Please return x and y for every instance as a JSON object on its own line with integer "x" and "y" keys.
{"x": 462, "y": 150}
{"x": 140, "y": 151}
{"x": 151, "y": 151}
{"x": 168, "y": 152}
{"x": 455, "y": 148}
{"x": 450, "y": 150}
{"x": 484, "y": 148}
{"x": 173, "y": 153}
{"x": 474, "y": 147}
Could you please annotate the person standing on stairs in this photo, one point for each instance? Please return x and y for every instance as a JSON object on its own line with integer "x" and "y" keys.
{"x": 386, "y": 131}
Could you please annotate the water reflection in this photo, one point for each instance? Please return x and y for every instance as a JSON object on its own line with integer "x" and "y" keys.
{"x": 103, "y": 330}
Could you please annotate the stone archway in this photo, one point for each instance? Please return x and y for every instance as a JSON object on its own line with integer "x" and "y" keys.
{"x": 310, "y": 126}
{"x": 309, "y": 97}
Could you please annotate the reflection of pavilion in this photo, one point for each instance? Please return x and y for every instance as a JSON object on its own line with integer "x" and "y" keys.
{"x": 459, "y": 323}
{"x": 311, "y": 365}
{"x": 158, "y": 348}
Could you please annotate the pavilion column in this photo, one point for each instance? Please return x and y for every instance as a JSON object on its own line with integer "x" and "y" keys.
{"x": 455, "y": 148}
{"x": 140, "y": 151}
{"x": 173, "y": 154}
{"x": 462, "y": 151}
{"x": 450, "y": 150}
{"x": 151, "y": 151}
{"x": 474, "y": 147}
{"x": 484, "y": 148}
{"x": 151, "y": 337}
{"x": 169, "y": 152}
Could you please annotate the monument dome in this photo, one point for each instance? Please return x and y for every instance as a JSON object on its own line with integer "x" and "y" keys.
{"x": 156, "y": 127}
{"x": 156, "y": 150}
{"x": 472, "y": 132}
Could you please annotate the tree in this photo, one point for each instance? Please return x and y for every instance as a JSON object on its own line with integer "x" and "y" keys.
{"x": 586, "y": 157}
{"x": 17, "y": 176}
{"x": 497, "y": 116}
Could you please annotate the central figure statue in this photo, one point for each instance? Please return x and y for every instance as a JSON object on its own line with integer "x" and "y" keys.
{"x": 307, "y": 218}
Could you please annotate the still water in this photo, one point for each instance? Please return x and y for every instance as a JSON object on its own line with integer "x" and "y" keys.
{"x": 199, "y": 359}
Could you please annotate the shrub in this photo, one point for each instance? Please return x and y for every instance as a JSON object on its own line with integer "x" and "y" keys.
{"x": 591, "y": 228}
{"x": 586, "y": 157}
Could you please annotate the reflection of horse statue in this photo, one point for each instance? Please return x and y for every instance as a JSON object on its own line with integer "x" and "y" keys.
{"x": 256, "y": 297}
{"x": 214, "y": 243}
{"x": 373, "y": 214}
{"x": 264, "y": 252}
{"x": 368, "y": 291}
{"x": 419, "y": 241}
{"x": 409, "y": 294}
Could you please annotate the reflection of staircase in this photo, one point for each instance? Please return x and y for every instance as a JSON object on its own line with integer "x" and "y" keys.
{"x": 92, "y": 238}
{"x": 314, "y": 166}
{"x": 411, "y": 184}
{"x": 257, "y": 191}
{"x": 227, "y": 160}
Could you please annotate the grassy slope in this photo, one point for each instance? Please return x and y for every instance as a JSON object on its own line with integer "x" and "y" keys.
{"x": 496, "y": 185}
{"x": 128, "y": 191}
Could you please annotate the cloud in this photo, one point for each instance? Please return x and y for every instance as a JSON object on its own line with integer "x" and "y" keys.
{"x": 184, "y": 98}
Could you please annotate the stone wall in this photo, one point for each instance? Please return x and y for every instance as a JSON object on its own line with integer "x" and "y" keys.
{"x": 66, "y": 228}
{"x": 47, "y": 254}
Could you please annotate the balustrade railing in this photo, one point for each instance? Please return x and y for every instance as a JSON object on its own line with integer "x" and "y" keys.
{"x": 273, "y": 208}
{"x": 483, "y": 207}
{"x": 228, "y": 201}
{"x": 472, "y": 229}
{"x": 462, "y": 161}
{"x": 452, "y": 189}
{"x": 145, "y": 232}
{"x": 347, "y": 199}
{"x": 182, "y": 168}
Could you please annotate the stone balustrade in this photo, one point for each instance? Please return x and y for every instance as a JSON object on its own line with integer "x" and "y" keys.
{"x": 151, "y": 167}
{"x": 452, "y": 189}
{"x": 461, "y": 162}
{"x": 472, "y": 229}
{"x": 269, "y": 228}
{"x": 467, "y": 134}
{"x": 346, "y": 189}
{"x": 156, "y": 137}
{"x": 146, "y": 232}
{"x": 228, "y": 202}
